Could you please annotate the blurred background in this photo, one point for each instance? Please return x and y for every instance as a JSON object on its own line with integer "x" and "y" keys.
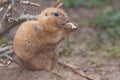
{"x": 95, "y": 46}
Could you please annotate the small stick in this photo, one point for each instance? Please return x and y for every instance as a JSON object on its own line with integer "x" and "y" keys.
{"x": 30, "y": 3}
{"x": 6, "y": 54}
{"x": 1, "y": 9}
{"x": 56, "y": 74}
{"x": 7, "y": 13}
{"x": 75, "y": 71}
{"x": 5, "y": 49}
{"x": 59, "y": 5}
{"x": 5, "y": 63}
{"x": 2, "y": 61}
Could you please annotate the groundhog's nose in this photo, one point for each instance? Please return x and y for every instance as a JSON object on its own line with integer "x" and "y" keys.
{"x": 67, "y": 19}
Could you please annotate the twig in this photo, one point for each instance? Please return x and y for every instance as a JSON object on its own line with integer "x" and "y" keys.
{"x": 1, "y": 9}
{"x": 30, "y": 3}
{"x": 75, "y": 71}
{"x": 5, "y": 19}
{"x": 27, "y": 17}
{"x": 56, "y": 74}
{"x": 57, "y": 3}
{"x": 7, "y": 2}
{"x": 5, "y": 49}
{"x": 7, "y": 13}
{"x": 5, "y": 63}
{"x": 7, "y": 54}
{"x": 13, "y": 22}
{"x": 4, "y": 3}
{"x": 2, "y": 61}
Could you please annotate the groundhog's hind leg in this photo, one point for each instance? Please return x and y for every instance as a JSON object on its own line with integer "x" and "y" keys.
{"x": 53, "y": 57}
{"x": 54, "y": 60}
{"x": 39, "y": 62}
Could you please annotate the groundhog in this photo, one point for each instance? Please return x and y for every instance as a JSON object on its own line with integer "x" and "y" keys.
{"x": 35, "y": 41}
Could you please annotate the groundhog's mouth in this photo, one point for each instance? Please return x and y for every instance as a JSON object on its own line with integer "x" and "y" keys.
{"x": 67, "y": 25}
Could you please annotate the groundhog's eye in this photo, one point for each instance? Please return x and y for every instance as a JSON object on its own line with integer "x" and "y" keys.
{"x": 56, "y": 14}
{"x": 46, "y": 14}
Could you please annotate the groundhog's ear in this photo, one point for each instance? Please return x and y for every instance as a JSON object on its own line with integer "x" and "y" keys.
{"x": 57, "y": 4}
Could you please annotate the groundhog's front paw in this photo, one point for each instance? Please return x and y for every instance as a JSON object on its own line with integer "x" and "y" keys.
{"x": 70, "y": 26}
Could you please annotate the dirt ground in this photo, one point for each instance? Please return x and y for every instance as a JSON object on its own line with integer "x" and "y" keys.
{"x": 109, "y": 68}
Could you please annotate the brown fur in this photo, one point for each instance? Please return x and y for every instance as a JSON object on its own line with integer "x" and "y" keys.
{"x": 36, "y": 40}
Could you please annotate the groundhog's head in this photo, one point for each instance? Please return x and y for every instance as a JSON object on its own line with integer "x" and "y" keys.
{"x": 56, "y": 17}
